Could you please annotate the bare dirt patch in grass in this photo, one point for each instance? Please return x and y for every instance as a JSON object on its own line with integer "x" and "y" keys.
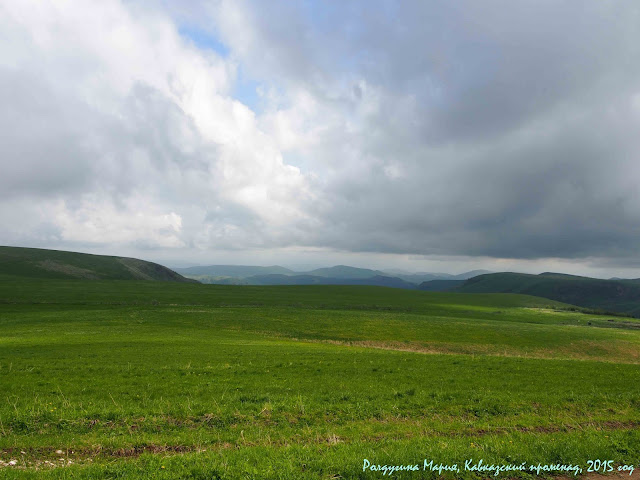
{"x": 615, "y": 475}
{"x": 622, "y": 354}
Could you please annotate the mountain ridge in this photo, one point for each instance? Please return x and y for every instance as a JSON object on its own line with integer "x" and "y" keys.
{"x": 337, "y": 274}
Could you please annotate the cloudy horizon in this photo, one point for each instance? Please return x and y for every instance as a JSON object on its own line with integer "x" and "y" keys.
{"x": 425, "y": 136}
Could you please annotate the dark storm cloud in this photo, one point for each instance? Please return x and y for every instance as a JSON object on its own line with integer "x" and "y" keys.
{"x": 573, "y": 194}
{"x": 506, "y": 129}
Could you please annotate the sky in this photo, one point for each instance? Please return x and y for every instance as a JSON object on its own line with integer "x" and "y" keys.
{"x": 420, "y": 135}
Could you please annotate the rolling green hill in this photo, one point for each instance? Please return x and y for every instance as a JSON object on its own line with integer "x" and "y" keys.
{"x": 610, "y": 295}
{"x": 55, "y": 264}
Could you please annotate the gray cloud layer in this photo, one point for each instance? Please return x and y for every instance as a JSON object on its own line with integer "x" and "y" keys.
{"x": 511, "y": 127}
{"x": 492, "y": 129}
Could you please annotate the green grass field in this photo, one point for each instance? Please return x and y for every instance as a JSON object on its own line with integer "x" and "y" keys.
{"x": 118, "y": 379}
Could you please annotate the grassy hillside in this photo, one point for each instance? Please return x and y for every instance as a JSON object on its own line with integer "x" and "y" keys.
{"x": 609, "y": 295}
{"x": 134, "y": 379}
{"x": 55, "y": 264}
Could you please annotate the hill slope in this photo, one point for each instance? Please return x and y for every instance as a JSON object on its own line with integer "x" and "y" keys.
{"x": 41, "y": 263}
{"x": 612, "y": 295}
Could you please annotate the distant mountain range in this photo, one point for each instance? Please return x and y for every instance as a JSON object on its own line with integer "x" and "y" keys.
{"x": 337, "y": 275}
{"x": 419, "y": 278}
{"x": 613, "y": 295}
{"x": 232, "y": 271}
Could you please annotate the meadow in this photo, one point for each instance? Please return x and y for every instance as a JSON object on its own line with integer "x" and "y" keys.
{"x": 134, "y": 379}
